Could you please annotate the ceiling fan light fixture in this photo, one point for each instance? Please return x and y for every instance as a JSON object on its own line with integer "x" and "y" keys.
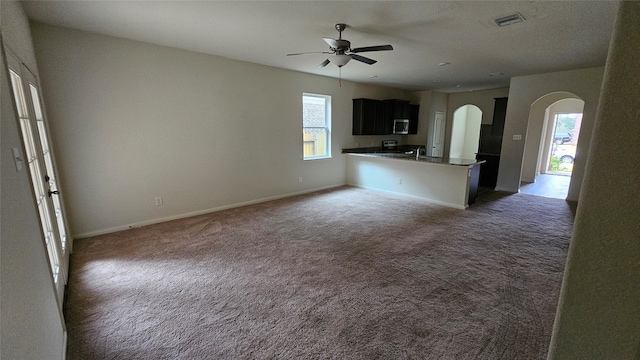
{"x": 340, "y": 60}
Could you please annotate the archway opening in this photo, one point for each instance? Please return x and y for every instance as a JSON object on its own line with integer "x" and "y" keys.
{"x": 563, "y": 142}
{"x": 552, "y": 138}
{"x": 465, "y": 132}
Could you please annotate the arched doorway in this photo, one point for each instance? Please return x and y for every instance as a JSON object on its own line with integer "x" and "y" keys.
{"x": 560, "y": 139}
{"x": 465, "y": 132}
{"x": 550, "y": 148}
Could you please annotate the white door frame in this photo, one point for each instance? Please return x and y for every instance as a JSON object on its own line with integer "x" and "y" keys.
{"x": 437, "y": 136}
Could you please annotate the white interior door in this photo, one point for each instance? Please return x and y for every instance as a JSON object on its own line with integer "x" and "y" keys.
{"x": 42, "y": 172}
{"x": 438, "y": 135}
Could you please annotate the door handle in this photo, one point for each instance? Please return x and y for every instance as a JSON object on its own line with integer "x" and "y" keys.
{"x": 54, "y": 192}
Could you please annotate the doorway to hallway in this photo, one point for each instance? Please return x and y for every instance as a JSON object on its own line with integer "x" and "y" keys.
{"x": 554, "y": 186}
{"x": 550, "y": 149}
{"x": 562, "y": 147}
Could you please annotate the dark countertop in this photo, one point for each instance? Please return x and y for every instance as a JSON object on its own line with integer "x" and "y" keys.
{"x": 378, "y": 149}
{"x": 407, "y": 152}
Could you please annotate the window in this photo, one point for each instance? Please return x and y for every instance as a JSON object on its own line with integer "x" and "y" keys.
{"x": 316, "y": 126}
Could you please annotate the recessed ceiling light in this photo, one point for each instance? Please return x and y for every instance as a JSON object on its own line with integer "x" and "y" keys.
{"x": 444, "y": 64}
{"x": 509, "y": 19}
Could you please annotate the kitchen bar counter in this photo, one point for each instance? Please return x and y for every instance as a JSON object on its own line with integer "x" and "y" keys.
{"x": 408, "y": 153}
{"x": 449, "y": 182}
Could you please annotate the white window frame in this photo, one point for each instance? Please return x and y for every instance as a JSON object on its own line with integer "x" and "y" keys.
{"x": 326, "y": 128}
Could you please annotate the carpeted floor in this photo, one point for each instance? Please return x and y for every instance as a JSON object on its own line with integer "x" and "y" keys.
{"x": 346, "y": 273}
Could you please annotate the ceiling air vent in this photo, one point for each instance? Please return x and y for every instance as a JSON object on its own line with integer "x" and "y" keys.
{"x": 510, "y": 19}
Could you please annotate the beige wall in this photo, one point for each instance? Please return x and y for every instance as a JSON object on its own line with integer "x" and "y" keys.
{"x": 422, "y": 98}
{"x": 523, "y": 92}
{"x": 31, "y": 326}
{"x": 132, "y": 121}
{"x": 599, "y": 304}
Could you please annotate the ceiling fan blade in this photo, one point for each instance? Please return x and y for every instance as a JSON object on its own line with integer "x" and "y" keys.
{"x": 332, "y": 43}
{"x": 312, "y": 52}
{"x": 372, "y": 48}
{"x": 324, "y": 63}
{"x": 363, "y": 59}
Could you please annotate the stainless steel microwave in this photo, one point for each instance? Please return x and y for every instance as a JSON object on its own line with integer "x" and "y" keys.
{"x": 401, "y": 126}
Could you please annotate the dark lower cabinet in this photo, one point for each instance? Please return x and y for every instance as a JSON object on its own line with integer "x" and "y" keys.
{"x": 489, "y": 170}
{"x": 474, "y": 181}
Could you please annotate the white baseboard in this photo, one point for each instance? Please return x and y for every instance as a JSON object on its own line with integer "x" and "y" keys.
{"x": 199, "y": 212}
{"x": 500, "y": 188}
{"x": 431, "y": 201}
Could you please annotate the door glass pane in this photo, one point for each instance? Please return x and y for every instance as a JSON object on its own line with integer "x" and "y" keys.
{"x": 21, "y": 103}
{"x": 50, "y": 171}
{"x": 49, "y": 240}
{"x": 29, "y": 142}
{"x": 36, "y": 102}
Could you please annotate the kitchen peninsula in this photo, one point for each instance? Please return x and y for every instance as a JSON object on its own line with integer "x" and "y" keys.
{"x": 398, "y": 169}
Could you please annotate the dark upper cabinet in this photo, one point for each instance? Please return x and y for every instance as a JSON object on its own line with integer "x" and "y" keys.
{"x": 380, "y": 127}
{"x": 413, "y": 118}
{"x": 499, "y": 114}
{"x": 387, "y": 109}
{"x": 369, "y": 117}
{"x": 375, "y": 117}
{"x": 401, "y": 109}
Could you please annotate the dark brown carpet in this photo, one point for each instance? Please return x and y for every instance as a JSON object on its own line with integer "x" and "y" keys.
{"x": 340, "y": 274}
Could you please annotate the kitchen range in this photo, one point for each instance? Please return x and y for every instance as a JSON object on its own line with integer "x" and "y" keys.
{"x": 404, "y": 169}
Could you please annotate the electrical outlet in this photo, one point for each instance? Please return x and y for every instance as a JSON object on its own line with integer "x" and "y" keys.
{"x": 517, "y": 137}
{"x": 399, "y": 180}
{"x": 158, "y": 201}
{"x": 300, "y": 179}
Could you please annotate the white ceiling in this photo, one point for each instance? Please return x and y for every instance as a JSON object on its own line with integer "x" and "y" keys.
{"x": 556, "y": 36}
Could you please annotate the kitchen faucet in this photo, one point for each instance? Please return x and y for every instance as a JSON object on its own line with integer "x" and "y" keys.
{"x": 418, "y": 153}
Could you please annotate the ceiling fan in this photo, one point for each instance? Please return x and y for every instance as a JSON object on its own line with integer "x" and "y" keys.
{"x": 342, "y": 51}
